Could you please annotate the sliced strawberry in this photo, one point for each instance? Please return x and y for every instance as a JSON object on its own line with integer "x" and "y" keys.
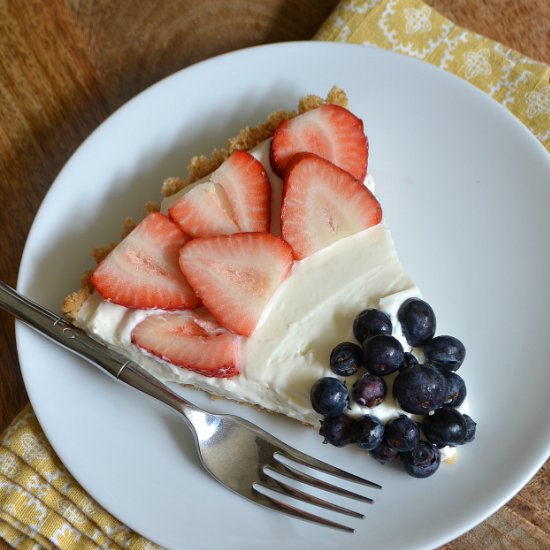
{"x": 192, "y": 340}
{"x": 236, "y": 275}
{"x": 235, "y": 199}
{"x": 323, "y": 204}
{"x": 246, "y": 184}
{"x": 142, "y": 270}
{"x": 203, "y": 211}
{"x": 331, "y": 132}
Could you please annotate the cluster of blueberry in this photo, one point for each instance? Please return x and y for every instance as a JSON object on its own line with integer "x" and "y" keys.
{"x": 432, "y": 389}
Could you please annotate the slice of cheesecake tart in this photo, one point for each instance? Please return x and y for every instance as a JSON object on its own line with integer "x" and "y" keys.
{"x": 252, "y": 271}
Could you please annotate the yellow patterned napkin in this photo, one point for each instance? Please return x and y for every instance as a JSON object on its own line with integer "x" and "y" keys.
{"x": 41, "y": 505}
{"x": 413, "y": 28}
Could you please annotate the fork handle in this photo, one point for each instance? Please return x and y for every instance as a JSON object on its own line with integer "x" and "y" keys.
{"x": 61, "y": 331}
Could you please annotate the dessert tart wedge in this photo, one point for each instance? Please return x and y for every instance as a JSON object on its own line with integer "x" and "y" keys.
{"x": 249, "y": 274}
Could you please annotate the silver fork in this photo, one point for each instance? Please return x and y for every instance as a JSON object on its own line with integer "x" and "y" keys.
{"x": 236, "y": 452}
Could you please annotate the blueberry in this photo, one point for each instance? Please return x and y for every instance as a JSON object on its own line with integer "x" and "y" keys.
{"x": 409, "y": 360}
{"x": 369, "y": 391}
{"x": 422, "y": 461}
{"x": 367, "y": 432}
{"x": 456, "y": 388}
{"x": 336, "y": 430}
{"x": 420, "y": 390}
{"x": 329, "y": 396}
{"x": 382, "y": 354}
{"x": 445, "y": 352}
{"x": 384, "y": 453}
{"x": 446, "y": 426}
{"x": 402, "y": 433}
{"x": 417, "y": 321}
{"x": 470, "y": 429}
{"x": 371, "y": 322}
{"x": 346, "y": 358}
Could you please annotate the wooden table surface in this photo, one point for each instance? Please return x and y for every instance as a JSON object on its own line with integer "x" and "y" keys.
{"x": 66, "y": 65}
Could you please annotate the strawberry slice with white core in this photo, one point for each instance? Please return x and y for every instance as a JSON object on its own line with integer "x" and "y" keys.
{"x": 322, "y": 204}
{"x": 142, "y": 270}
{"x": 192, "y": 340}
{"x": 330, "y": 132}
{"x": 236, "y": 275}
{"x": 248, "y": 191}
{"x": 203, "y": 211}
{"x": 236, "y": 198}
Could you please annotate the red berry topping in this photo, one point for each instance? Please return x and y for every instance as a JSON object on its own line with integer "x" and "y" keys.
{"x": 235, "y": 275}
{"x": 142, "y": 270}
{"x": 330, "y": 132}
{"x": 323, "y": 204}
{"x": 235, "y": 199}
{"x": 192, "y": 340}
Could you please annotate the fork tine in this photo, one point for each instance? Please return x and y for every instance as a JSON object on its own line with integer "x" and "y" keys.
{"x": 275, "y": 504}
{"x": 289, "y": 471}
{"x": 285, "y": 489}
{"x": 311, "y": 462}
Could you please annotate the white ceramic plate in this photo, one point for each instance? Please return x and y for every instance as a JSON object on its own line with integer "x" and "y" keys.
{"x": 465, "y": 188}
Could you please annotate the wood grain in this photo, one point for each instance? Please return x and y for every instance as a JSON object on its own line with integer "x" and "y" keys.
{"x": 182, "y": 33}
{"x": 47, "y": 85}
{"x": 65, "y": 66}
